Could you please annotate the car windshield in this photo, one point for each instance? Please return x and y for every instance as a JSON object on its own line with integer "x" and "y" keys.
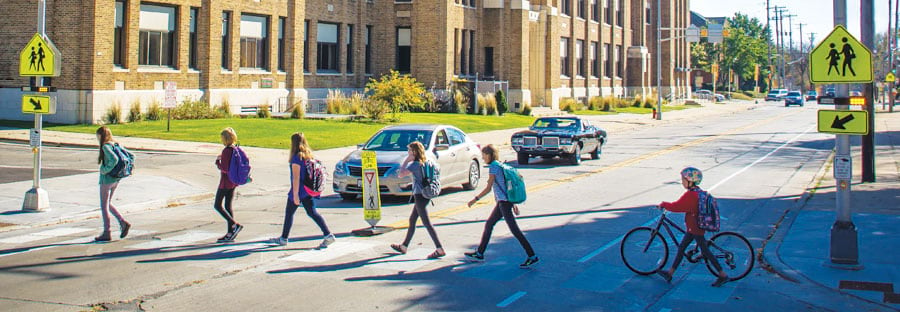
{"x": 397, "y": 140}
{"x": 811, "y": 92}
{"x": 793, "y": 93}
{"x": 554, "y": 123}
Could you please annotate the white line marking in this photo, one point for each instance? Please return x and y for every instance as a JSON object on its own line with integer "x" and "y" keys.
{"x": 619, "y": 239}
{"x": 338, "y": 249}
{"x": 21, "y": 239}
{"x": 511, "y": 299}
{"x": 411, "y": 261}
{"x": 180, "y": 240}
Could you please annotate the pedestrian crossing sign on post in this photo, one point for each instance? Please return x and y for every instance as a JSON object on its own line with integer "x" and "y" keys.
{"x": 889, "y": 78}
{"x": 39, "y": 58}
{"x": 38, "y": 104}
{"x": 840, "y": 58}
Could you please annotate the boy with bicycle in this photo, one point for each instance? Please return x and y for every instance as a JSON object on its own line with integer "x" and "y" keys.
{"x": 688, "y": 204}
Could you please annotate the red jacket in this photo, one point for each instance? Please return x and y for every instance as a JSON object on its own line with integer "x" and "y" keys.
{"x": 223, "y": 163}
{"x": 687, "y": 204}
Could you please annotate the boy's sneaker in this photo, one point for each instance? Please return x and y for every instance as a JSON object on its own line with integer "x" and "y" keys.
{"x": 474, "y": 257}
{"x": 530, "y": 262}
{"x": 280, "y": 241}
{"x": 235, "y": 229}
{"x": 329, "y": 239}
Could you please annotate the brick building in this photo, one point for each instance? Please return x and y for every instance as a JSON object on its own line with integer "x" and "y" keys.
{"x": 276, "y": 52}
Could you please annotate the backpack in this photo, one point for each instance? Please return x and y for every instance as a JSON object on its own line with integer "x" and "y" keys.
{"x": 239, "y": 168}
{"x": 124, "y": 165}
{"x": 515, "y": 185}
{"x": 707, "y": 212}
{"x": 431, "y": 180}
{"x": 316, "y": 175}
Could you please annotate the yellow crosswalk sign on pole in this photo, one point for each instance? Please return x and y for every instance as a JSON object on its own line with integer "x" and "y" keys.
{"x": 39, "y": 58}
{"x": 840, "y": 58}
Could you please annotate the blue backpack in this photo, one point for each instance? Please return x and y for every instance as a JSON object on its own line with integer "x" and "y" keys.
{"x": 515, "y": 185}
{"x": 239, "y": 168}
{"x": 124, "y": 165}
{"x": 707, "y": 212}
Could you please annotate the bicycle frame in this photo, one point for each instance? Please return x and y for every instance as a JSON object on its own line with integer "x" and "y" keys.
{"x": 669, "y": 224}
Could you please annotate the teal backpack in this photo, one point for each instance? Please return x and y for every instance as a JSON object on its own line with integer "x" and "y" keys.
{"x": 515, "y": 185}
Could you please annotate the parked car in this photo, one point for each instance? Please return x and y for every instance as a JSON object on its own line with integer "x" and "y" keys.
{"x": 458, "y": 157}
{"x": 720, "y": 97}
{"x": 855, "y": 93}
{"x": 566, "y": 137}
{"x": 793, "y": 98}
{"x": 811, "y": 95}
{"x": 829, "y": 93}
{"x": 776, "y": 95}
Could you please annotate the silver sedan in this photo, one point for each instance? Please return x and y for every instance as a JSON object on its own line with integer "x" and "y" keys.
{"x": 458, "y": 157}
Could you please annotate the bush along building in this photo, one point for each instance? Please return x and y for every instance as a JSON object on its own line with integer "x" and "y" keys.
{"x": 249, "y": 53}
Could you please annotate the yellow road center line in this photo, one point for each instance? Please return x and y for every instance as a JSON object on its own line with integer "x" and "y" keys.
{"x": 535, "y": 188}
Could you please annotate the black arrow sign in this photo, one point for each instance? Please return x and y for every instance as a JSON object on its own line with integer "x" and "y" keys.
{"x": 840, "y": 122}
{"x": 36, "y": 104}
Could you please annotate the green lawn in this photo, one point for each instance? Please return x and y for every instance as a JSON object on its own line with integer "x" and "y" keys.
{"x": 275, "y": 133}
{"x": 634, "y": 110}
{"x": 593, "y": 112}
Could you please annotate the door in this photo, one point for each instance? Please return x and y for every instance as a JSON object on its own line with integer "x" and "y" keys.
{"x": 445, "y": 158}
{"x": 460, "y": 155}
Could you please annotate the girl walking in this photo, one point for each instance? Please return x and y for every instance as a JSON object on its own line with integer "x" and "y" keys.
{"x": 503, "y": 209}
{"x": 413, "y": 165}
{"x": 299, "y": 155}
{"x": 108, "y": 185}
{"x": 225, "y": 191}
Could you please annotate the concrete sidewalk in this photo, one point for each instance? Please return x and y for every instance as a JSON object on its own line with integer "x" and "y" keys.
{"x": 76, "y": 197}
{"x": 800, "y": 247}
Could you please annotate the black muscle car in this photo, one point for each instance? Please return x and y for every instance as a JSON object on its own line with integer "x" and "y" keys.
{"x": 566, "y": 137}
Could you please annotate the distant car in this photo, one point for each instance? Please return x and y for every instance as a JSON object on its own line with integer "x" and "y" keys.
{"x": 855, "y": 93}
{"x": 793, "y": 98}
{"x": 567, "y": 137}
{"x": 720, "y": 97}
{"x": 776, "y": 95}
{"x": 458, "y": 157}
{"x": 811, "y": 95}
{"x": 703, "y": 94}
{"x": 829, "y": 93}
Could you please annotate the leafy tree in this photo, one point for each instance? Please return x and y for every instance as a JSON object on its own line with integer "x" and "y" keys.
{"x": 741, "y": 51}
{"x": 399, "y": 92}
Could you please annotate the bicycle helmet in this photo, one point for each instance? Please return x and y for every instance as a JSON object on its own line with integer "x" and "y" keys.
{"x": 692, "y": 175}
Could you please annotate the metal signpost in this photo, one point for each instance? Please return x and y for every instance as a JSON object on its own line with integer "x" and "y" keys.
{"x": 38, "y": 59}
{"x": 371, "y": 196}
{"x": 171, "y": 101}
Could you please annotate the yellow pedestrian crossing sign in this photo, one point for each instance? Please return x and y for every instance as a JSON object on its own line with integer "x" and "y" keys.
{"x": 39, "y": 58}
{"x": 844, "y": 122}
{"x": 840, "y": 58}
{"x": 38, "y": 104}
{"x": 890, "y": 77}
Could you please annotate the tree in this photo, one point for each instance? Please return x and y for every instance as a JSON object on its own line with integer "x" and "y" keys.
{"x": 399, "y": 92}
{"x": 744, "y": 48}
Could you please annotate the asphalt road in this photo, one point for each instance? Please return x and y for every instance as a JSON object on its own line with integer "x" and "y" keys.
{"x": 757, "y": 162}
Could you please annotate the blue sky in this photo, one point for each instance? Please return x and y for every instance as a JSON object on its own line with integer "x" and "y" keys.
{"x": 817, "y": 14}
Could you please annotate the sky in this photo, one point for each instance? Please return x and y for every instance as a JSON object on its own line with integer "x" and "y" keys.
{"x": 816, "y": 14}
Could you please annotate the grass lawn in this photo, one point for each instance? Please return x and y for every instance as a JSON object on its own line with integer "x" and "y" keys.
{"x": 593, "y": 112}
{"x": 275, "y": 133}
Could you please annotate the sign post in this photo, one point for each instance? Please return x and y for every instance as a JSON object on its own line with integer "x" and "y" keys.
{"x": 371, "y": 196}
{"x": 39, "y": 58}
{"x": 171, "y": 101}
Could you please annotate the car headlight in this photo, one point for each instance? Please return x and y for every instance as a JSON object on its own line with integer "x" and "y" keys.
{"x": 518, "y": 140}
{"x": 565, "y": 141}
{"x": 340, "y": 168}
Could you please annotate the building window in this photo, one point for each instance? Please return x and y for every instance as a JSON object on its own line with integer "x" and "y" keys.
{"x": 647, "y": 12}
{"x": 579, "y": 57}
{"x": 582, "y": 9}
{"x": 489, "y": 61}
{"x": 254, "y": 41}
{"x": 327, "y": 44}
{"x": 607, "y": 12}
{"x": 456, "y": 51}
{"x": 566, "y": 7}
{"x": 226, "y": 40}
{"x": 368, "y": 49}
{"x": 620, "y": 12}
{"x": 462, "y": 54}
{"x": 306, "y": 46}
{"x": 119, "y": 35}
{"x": 607, "y": 61}
{"x": 192, "y": 39}
{"x": 595, "y": 61}
{"x": 595, "y": 10}
{"x": 404, "y": 49}
{"x": 349, "y": 48}
{"x": 282, "y": 23}
{"x": 157, "y": 36}
{"x": 564, "y": 57}
{"x": 620, "y": 62}
{"x": 471, "y": 52}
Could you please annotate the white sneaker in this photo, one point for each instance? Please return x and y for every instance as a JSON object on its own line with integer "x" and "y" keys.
{"x": 280, "y": 241}
{"x": 329, "y": 239}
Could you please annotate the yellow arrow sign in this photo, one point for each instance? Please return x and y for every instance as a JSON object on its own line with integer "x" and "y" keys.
{"x": 37, "y": 104}
{"x": 840, "y": 58}
{"x": 844, "y": 122}
{"x": 39, "y": 58}
{"x": 890, "y": 77}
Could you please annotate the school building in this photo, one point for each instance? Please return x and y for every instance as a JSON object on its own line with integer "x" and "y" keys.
{"x": 277, "y": 52}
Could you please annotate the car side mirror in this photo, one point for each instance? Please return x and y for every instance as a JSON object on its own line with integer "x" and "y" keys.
{"x": 441, "y": 147}
{"x": 360, "y": 145}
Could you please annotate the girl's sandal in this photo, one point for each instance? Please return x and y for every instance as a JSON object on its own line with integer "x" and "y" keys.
{"x": 436, "y": 254}
{"x": 399, "y": 248}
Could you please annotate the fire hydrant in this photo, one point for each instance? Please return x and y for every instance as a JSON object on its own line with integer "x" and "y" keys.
{"x": 654, "y": 113}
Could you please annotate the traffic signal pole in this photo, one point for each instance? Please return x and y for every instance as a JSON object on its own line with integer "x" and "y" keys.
{"x": 37, "y": 199}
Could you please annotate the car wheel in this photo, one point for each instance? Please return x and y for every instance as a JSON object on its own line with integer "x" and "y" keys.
{"x": 596, "y": 153}
{"x": 576, "y": 156}
{"x": 347, "y": 196}
{"x": 523, "y": 158}
{"x": 474, "y": 176}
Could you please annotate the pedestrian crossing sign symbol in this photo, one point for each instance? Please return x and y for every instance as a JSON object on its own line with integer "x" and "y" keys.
{"x": 39, "y": 58}
{"x": 840, "y": 58}
{"x": 890, "y": 77}
{"x": 38, "y": 104}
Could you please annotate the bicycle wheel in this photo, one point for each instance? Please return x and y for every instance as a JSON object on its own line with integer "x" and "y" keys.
{"x": 734, "y": 253}
{"x": 642, "y": 253}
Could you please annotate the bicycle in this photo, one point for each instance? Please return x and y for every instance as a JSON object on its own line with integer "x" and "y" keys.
{"x": 645, "y": 251}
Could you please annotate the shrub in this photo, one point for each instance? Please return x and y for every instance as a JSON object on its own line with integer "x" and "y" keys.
{"x": 263, "y": 111}
{"x": 740, "y": 96}
{"x": 595, "y": 103}
{"x": 154, "y": 112}
{"x": 195, "y": 109}
{"x": 298, "y": 110}
{"x": 526, "y": 110}
{"x": 400, "y": 92}
{"x": 134, "y": 114}
{"x": 374, "y": 109}
{"x": 487, "y": 104}
{"x": 502, "y": 105}
{"x": 569, "y": 104}
{"x": 461, "y": 100}
{"x": 225, "y": 108}
{"x": 617, "y": 102}
{"x": 113, "y": 114}
{"x": 337, "y": 103}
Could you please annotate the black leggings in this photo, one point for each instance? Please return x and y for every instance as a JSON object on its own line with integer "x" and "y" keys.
{"x": 310, "y": 206}
{"x": 503, "y": 209}
{"x": 417, "y": 213}
{"x": 704, "y": 249}
{"x": 226, "y": 196}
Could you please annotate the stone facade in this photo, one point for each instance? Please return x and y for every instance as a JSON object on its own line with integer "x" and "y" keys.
{"x": 518, "y": 41}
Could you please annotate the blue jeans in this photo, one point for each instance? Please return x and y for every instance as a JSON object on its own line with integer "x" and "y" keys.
{"x": 309, "y": 205}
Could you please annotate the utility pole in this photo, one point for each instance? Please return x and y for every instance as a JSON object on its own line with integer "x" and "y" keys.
{"x": 790, "y": 50}
{"x": 778, "y": 41}
{"x": 659, "y": 60}
{"x": 803, "y": 66}
{"x": 783, "y": 54}
{"x": 891, "y": 45}
{"x": 844, "y": 242}
{"x": 867, "y": 30}
{"x": 769, "y": 45}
